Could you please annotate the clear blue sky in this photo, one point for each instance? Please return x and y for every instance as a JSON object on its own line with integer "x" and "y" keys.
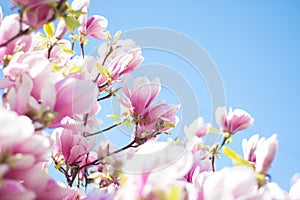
{"x": 256, "y": 48}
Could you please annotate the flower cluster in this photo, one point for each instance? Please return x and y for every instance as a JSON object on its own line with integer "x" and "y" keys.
{"x": 52, "y": 100}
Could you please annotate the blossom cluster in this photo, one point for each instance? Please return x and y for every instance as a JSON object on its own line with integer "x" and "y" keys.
{"x": 52, "y": 98}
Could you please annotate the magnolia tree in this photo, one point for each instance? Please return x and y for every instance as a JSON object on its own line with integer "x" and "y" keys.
{"x": 49, "y": 118}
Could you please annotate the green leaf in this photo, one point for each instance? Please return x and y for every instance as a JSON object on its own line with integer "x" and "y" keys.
{"x": 43, "y": 36}
{"x": 66, "y": 49}
{"x": 75, "y": 69}
{"x": 235, "y": 157}
{"x": 113, "y": 116}
{"x": 71, "y": 23}
{"x": 76, "y": 12}
{"x": 49, "y": 29}
{"x": 116, "y": 36}
{"x": 144, "y": 120}
{"x": 214, "y": 130}
{"x": 169, "y": 125}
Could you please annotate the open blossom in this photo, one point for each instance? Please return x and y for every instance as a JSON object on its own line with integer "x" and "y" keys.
{"x": 9, "y": 28}
{"x": 141, "y": 94}
{"x": 159, "y": 117}
{"x": 119, "y": 58}
{"x": 23, "y": 153}
{"x": 94, "y": 26}
{"x": 72, "y": 145}
{"x": 234, "y": 120}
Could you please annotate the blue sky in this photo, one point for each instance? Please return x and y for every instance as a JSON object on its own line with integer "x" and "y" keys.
{"x": 256, "y": 48}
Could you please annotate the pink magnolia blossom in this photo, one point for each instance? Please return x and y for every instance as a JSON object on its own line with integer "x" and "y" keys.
{"x": 141, "y": 94}
{"x": 73, "y": 146}
{"x": 37, "y": 15}
{"x": 11, "y": 134}
{"x": 265, "y": 154}
{"x": 35, "y": 82}
{"x": 197, "y": 128}
{"x": 37, "y": 12}
{"x": 9, "y": 28}
{"x": 23, "y": 153}
{"x": 122, "y": 57}
{"x": 73, "y": 97}
{"x": 250, "y": 147}
{"x": 260, "y": 151}
{"x": 18, "y": 97}
{"x": 233, "y": 121}
{"x": 159, "y": 117}
{"x": 94, "y": 26}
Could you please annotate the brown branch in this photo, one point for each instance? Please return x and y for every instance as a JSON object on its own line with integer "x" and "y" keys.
{"x": 21, "y": 33}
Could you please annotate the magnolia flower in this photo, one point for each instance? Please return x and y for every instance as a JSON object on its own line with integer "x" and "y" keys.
{"x": 73, "y": 146}
{"x": 119, "y": 58}
{"x": 72, "y": 96}
{"x": 22, "y": 155}
{"x": 260, "y": 151}
{"x": 141, "y": 94}
{"x": 94, "y": 26}
{"x": 250, "y": 147}
{"x": 11, "y": 134}
{"x": 158, "y": 118}
{"x": 37, "y": 12}
{"x": 233, "y": 121}
{"x": 36, "y": 15}
{"x": 197, "y": 128}
{"x": 265, "y": 154}
{"x": 9, "y": 28}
